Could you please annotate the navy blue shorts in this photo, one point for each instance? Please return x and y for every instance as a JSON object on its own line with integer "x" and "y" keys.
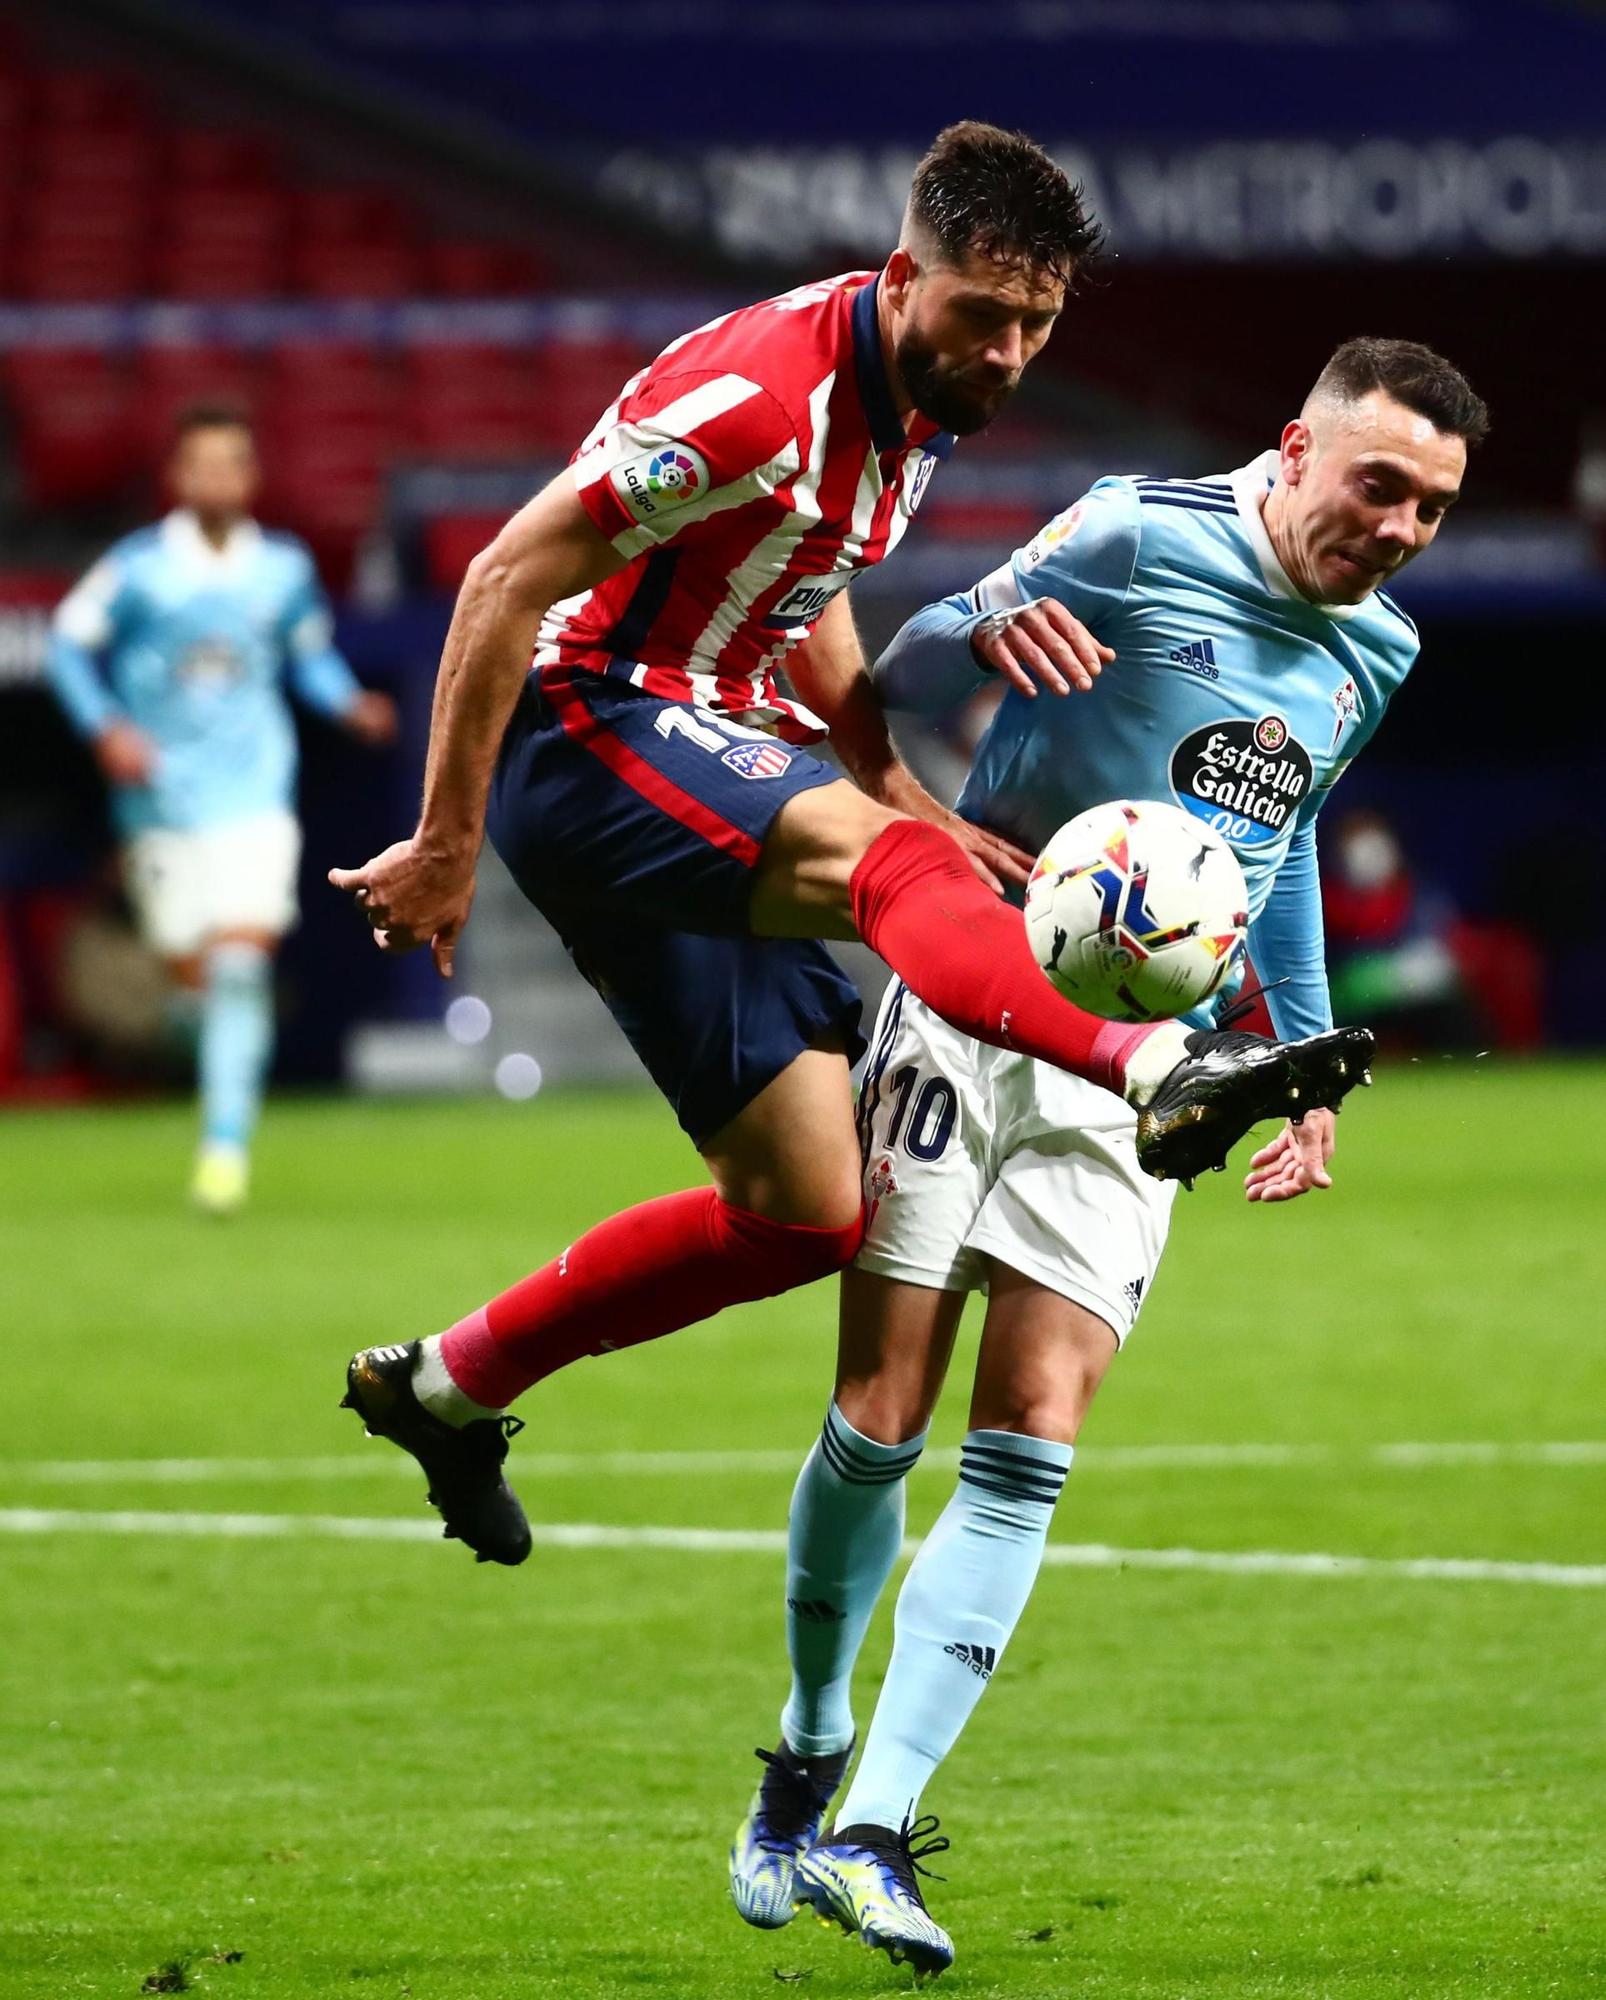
{"x": 633, "y": 824}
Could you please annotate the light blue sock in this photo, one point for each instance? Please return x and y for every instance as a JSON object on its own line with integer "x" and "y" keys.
{"x": 959, "y": 1604}
{"x": 236, "y": 1040}
{"x": 844, "y": 1533}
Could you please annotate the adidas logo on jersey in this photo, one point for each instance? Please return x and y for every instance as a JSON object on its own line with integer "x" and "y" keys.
{"x": 980, "y": 1659}
{"x": 1134, "y": 1292}
{"x": 1198, "y": 656}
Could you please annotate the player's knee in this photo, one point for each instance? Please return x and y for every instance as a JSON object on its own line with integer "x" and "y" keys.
{"x": 797, "y": 1253}
{"x": 885, "y": 1411}
{"x": 1052, "y": 1410}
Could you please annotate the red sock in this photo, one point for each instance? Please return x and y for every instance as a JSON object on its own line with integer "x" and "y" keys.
{"x": 919, "y": 903}
{"x": 636, "y": 1276}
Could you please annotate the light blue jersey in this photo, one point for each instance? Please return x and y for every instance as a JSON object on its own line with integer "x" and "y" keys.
{"x": 1231, "y": 694}
{"x": 191, "y": 644}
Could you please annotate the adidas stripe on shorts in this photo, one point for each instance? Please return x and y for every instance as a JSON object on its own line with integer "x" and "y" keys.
{"x": 971, "y": 1152}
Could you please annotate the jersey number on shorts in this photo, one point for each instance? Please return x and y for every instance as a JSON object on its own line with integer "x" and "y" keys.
{"x": 931, "y": 1122}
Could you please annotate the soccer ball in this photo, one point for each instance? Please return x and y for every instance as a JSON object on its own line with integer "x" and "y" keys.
{"x": 1138, "y": 911}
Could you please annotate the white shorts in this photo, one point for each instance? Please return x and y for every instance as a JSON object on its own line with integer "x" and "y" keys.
{"x": 971, "y": 1153}
{"x": 188, "y": 885}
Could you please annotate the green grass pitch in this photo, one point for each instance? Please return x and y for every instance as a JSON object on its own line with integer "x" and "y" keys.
{"x": 373, "y": 1770}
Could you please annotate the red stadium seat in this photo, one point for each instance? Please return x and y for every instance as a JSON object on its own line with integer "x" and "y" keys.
{"x": 75, "y": 439}
{"x": 169, "y": 378}
{"x": 452, "y": 541}
{"x": 458, "y": 267}
{"x": 198, "y": 157}
{"x": 222, "y": 242}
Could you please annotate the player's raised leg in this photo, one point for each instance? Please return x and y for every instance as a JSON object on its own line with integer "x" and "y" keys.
{"x": 845, "y": 1530}
{"x": 839, "y": 864}
{"x": 1041, "y": 1361}
{"x": 785, "y": 1208}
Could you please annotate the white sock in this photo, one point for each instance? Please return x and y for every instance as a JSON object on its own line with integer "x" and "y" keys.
{"x": 438, "y": 1393}
{"x": 1153, "y": 1060}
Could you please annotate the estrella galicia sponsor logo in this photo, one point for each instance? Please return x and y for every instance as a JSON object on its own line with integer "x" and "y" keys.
{"x": 654, "y": 482}
{"x": 1198, "y": 656}
{"x": 1245, "y": 779}
{"x": 804, "y": 604}
{"x": 757, "y": 760}
{"x": 980, "y": 1659}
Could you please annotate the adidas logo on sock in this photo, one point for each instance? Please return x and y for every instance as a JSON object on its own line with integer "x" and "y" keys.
{"x": 980, "y": 1659}
{"x": 815, "y": 1610}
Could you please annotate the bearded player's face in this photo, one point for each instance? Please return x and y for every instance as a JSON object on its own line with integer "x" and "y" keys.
{"x": 968, "y": 332}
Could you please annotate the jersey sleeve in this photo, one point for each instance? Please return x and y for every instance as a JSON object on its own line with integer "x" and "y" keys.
{"x": 1287, "y": 941}
{"x": 85, "y": 623}
{"x": 318, "y": 673}
{"x": 1288, "y": 944}
{"x": 1086, "y": 557}
{"x": 682, "y": 447}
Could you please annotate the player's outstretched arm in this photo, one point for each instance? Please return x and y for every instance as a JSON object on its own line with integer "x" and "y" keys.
{"x": 829, "y": 673}
{"x": 420, "y": 889}
{"x": 948, "y": 650}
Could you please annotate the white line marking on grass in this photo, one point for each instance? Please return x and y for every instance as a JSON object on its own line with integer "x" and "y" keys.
{"x": 674, "y": 1464}
{"x": 772, "y": 1542}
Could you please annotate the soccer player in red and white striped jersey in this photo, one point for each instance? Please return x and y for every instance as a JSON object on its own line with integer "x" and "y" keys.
{"x": 646, "y": 786}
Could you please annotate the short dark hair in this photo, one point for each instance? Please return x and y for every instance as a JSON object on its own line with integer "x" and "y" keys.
{"x": 982, "y": 189}
{"x": 211, "y": 414}
{"x": 1413, "y": 375}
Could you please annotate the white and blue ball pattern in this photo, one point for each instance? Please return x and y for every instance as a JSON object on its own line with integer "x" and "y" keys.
{"x": 1138, "y": 912}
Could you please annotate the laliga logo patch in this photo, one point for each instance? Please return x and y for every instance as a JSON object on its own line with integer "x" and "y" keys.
{"x": 653, "y": 482}
{"x": 1060, "y": 529}
{"x": 757, "y": 760}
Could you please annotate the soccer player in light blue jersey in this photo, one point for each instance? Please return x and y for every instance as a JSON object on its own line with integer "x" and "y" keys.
{"x": 170, "y": 657}
{"x": 1236, "y": 650}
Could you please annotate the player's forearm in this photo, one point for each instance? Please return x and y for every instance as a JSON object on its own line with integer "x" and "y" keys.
{"x": 930, "y": 665}
{"x": 1287, "y": 943}
{"x": 75, "y": 681}
{"x": 830, "y": 675}
{"x": 483, "y": 665}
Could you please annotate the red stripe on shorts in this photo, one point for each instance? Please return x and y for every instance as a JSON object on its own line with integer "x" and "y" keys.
{"x": 582, "y": 727}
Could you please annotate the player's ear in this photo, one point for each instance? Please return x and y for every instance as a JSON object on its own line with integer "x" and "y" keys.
{"x": 901, "y": 272}
{"x": 1295, "y": 449}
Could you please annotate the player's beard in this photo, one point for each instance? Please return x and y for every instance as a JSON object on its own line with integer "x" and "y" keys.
{"x": 945, "y": 395}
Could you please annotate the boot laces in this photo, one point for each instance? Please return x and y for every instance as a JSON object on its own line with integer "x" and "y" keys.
{"x": 791, "y": 1804}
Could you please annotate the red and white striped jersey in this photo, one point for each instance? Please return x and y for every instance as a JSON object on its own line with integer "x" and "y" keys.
{"x": 749, "y": 472}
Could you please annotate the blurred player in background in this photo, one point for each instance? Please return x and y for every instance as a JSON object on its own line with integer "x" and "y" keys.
{"x": 1254, "y": 655}
{"x": 170, "y": 657}
{"x": 647, "y": 790}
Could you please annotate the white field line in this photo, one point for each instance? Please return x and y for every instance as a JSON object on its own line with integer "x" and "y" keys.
{"x": 539, "y": 1464}
{"x": 772, "y": 1542}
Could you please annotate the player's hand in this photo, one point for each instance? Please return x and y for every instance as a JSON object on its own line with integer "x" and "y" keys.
{"x": 126, "y": 755}
{"x": 995, "y": 859}
{"x": 1295, "y": 1161}
{"x": 372, "y": 719}
{"x": 1041, "y": 642}
{"x": 411, "y": 894}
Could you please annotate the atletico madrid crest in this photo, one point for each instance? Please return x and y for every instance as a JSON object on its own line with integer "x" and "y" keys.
{"x": 757, "y": 760}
